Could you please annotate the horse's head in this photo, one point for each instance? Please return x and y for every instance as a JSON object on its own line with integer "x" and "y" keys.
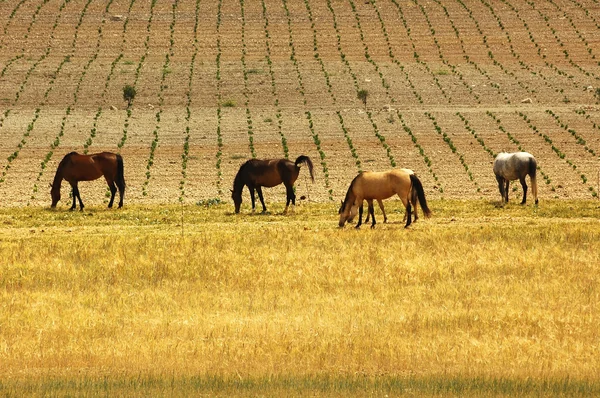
{"x": 353, "y": 213}
{"x": 346, "y": 212}
{"x": 55, "y": 193}
{"x": 237, "y": 199}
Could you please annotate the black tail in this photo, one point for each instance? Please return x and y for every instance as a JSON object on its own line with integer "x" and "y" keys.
{"x": 120, "y": 177}
{"x": 420, "y": 194}
{"x": 306, "y": 160}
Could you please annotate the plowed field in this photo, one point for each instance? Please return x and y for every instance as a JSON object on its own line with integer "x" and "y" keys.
{"x": 449, "y": 83}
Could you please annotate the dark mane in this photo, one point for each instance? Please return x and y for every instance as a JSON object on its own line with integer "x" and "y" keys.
{"x": 350, "y": 188}
{"x": 239, "y": 180}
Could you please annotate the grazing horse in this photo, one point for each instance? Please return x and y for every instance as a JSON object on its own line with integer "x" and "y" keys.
{"x": 371, "y": 186}
{"x": 515, "y": 166}
{"x": 76, "y": 167}
{"x": 413, "y": 200}
{"x": 256, "y": 174}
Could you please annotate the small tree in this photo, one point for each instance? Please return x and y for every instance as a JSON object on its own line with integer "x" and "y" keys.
{"x": 597, "y": 94}
{"x": 128, "y": 94}
{"x": 362, "y": 95}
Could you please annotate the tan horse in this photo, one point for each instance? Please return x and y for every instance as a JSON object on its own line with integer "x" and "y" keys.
{"x": 414, "y": 201}
{"x": 371, "y": 186}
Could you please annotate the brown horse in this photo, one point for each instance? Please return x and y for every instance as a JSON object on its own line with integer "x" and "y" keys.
{"x": 75, "y": 167}
{"x": 256, "y": 174}
{"x": 371, "y": 186}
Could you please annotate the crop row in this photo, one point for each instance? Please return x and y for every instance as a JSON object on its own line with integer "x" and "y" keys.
{"x": 245, "y": 91}
{"x": 317, "y": 56}
{"x": 94, "y": 129}
{"x": 416, "y": 54}
{"x": 137, "y": 76}
{"x": 278, "y": 110}
{"x": 188, "y": 113}
{"x": 453, "y": 148}
{"x": 25, "y": 37}
{"x": 384, "y": 84}
{"x": 219, "y": 154}
{"x": 452, "y": 67}
{"x": 578, "y": 138}
{"x": 33, "y": 67}
{"x": 47, "y": 92}
{"x": 393, "y": 56}
{"x": 560, "y": 42}
{"x": 559, "y": 153}
{"x": 161, "y": 99}
{"x": 314, "y": 134}
{"x": 420, "y": 148}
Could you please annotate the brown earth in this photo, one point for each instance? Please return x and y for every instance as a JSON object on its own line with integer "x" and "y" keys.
{"x": 68, "y": 62}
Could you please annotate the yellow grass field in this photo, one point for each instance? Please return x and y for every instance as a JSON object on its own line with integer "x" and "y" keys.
{"x": 479, "y": 300}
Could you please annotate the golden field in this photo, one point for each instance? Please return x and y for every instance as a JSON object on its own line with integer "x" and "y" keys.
{"x": 188, "y": 300}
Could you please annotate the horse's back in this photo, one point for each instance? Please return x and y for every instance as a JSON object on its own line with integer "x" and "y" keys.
{"x": 382, "y": 185}
{"x": 265, "y": 172}
{"x": 82, "y": 167}
{"x": 513, "y": 166}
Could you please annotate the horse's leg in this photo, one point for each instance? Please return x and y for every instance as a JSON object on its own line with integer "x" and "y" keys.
{"x": 251, "y": 188}
{"x": 77, "y": 195}
{"x": 113, "y": 192}
{"x": 524, "y": 185}
{"x": 500, "y": 180}
{"x": 408, "y": 215}
{"x": 262, "y": 200}
{"x": 507, "y": 185}
{"x": 380, "y": 202}
{"x": 371, "y": 212}
{"x": 121, "y": 186}
{"x": 291, "y": 197}
{"x": 360, "y": 212}
{"x": 74, "y": 194}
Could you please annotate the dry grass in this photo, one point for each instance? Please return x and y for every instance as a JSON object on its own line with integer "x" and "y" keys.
{"x": 477, "y": 300}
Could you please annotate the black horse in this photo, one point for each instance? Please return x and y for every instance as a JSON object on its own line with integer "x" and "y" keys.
{"x": 75, "y": 167}
{"x": 256, "y": 174}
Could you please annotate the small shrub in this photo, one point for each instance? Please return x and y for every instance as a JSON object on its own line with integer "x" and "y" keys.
{"x": 362, "y": 95}
{"x": 229, "y": 104}
{"x": 129, "y": 94}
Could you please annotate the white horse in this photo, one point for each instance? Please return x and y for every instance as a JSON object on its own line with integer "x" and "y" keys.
{"x": 515, "y": 166}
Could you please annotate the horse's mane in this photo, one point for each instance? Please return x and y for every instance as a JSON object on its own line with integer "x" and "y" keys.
{"x": 238, "y": 181}
{"x": 62, "y": 164}
{"x": 350, "y": 188}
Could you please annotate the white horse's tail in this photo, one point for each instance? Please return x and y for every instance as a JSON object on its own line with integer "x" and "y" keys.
{"x": 532, "y": 176}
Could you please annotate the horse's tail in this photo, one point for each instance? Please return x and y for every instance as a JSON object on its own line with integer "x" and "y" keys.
{"x": 532, "y": 176}
{"x": 120, "y": 177}
{"x": 306, "y": 160}
{"x": 417, "y": 186}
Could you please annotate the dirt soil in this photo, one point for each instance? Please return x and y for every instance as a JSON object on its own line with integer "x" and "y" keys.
{"x": 448, "y": 85}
